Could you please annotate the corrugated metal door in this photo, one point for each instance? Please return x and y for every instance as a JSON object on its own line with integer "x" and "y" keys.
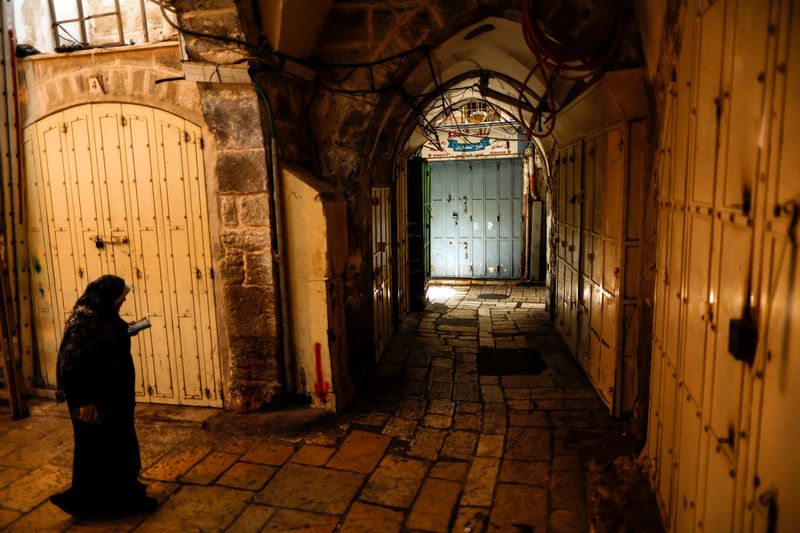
{"x": 120, "y": 189}
{"x": 476, "y": 218}
{"x": 381, "y": 270}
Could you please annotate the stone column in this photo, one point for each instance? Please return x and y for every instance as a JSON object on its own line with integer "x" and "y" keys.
{"x": 238, "y": 180}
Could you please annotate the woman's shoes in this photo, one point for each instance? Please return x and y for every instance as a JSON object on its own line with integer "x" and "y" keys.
{"x": 63, "y": 501}
{"x": 67, "y": 502}
{"x": 145, "y": 504}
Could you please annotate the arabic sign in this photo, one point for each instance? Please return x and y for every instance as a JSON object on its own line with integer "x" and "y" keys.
{"x": 474, "y": 141}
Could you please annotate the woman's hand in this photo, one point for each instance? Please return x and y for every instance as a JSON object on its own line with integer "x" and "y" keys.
{"x": 89, "y": 413}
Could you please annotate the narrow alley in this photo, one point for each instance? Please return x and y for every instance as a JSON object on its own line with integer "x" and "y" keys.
{"x": 400, "y": 265}
{"x": 433, "y": 445}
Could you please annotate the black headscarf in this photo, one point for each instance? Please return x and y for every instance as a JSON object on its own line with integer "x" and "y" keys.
{"x": 92, "y": 329}
{"x": 100, "y": 296}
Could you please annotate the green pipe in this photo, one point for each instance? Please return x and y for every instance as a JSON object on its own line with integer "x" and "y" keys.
{"x": 282, "y": 270}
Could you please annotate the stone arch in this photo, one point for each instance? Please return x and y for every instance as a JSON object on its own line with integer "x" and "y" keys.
{"x": 53, "y": 82}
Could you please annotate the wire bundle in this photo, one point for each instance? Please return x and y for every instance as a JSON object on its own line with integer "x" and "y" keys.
{"x": 563, "y": 61}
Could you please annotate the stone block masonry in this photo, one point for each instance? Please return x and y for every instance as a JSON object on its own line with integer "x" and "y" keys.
{"x": 241, "y": 185}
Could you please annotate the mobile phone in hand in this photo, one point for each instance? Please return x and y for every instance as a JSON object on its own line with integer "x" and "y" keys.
{"x": 135, "y": 328}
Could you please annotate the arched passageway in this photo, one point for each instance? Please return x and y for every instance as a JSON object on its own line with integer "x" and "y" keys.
{"x": 669, "y": 195}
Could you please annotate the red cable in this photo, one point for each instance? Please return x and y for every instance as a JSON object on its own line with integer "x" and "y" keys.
{"x": 573, "y": 62}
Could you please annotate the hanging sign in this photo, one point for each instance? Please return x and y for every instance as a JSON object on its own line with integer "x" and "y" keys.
{"x": 462, "y": 142}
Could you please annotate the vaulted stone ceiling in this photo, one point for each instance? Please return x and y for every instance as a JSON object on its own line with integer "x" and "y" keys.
{"x": 459, "y": 42}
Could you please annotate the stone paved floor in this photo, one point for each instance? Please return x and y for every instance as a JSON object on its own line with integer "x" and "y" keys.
{"x": 430, "y": 446}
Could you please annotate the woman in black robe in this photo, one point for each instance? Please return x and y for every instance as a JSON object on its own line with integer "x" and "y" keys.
{"x": 97, "y": 377}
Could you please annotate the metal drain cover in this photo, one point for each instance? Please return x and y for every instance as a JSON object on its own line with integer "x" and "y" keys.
{"x": 493, "y": 296}
{"x": 509, "y": 362}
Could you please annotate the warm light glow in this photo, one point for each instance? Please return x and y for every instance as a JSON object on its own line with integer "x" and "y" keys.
{"x": 436, "y": 293}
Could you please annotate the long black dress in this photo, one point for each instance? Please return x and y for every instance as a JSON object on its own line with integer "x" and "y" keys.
{"x": 95, "y": 367}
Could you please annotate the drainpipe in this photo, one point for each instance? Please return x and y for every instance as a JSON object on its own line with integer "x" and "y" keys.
{"x": 288, "y": 366}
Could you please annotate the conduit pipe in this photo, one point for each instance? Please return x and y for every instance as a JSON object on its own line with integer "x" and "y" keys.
{"x": 286, "y": 332}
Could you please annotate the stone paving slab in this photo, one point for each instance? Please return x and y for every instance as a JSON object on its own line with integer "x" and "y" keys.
{"x": 209, "y": 468}
{"x": 248, "y": 476}
{"x": 509, "y": 513}
{"x": 292, "y": 520}
{"x": 434, "y": 506}
{"x": 428, "y": 446}
{"x": 395, "y": 482}
{"x": 34, "y": 488}
{"x": 195, "y": 508}
{"x": 366, "y": 518}
{"x": 253, "y": 518}
{"x": 479, "y": 488}
{"x": 311, "y": 488}
{"x": 360, "y": 452}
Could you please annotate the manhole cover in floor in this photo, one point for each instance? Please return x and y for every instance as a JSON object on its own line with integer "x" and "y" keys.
{"x": 471, "y": 322}
{"x": 509, "y": 362}
{"x": 493, "y": 296}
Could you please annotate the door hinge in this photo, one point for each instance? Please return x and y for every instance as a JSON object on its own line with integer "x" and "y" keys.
{"x": 123, "y": 121}
{"x": 198, "y": 273}
{"x": 63, "y": 127}
{"x": 149, "y": 390}
{"x": 211, "y": 272}
{"x": 186, "y": 137}
{"x": 138, "y": 273}
{"x": 202, "y": 143}
{"x": 207, "y": 393}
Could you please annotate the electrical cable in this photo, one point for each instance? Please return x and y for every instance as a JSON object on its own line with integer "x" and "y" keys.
{"x": 282, "y": 55}
{"x": 557, "y": 60}
{"x": 583, "y": 58}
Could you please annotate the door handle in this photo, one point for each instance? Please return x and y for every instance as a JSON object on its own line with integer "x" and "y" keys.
{"x": 100, "y": 243}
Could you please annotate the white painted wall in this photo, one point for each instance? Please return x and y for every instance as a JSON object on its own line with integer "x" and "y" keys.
{"x": 34, "y": 23}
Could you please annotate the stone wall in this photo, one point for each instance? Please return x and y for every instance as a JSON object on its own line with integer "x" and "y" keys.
{"x": 247, "y": 283}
